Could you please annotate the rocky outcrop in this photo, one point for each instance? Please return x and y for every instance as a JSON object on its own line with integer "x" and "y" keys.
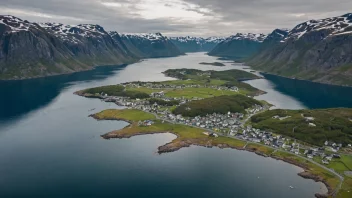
{"x": 29, "y": 50}
{"x": 239, "y": 46}
{"x": 316, "y": 50}
{"x": 196, "y": 44}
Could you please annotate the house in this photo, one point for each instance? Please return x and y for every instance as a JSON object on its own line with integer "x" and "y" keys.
{"x": 336, "y": 156}
{"x": 312, "y": 125}
{"x": 214, "y": 135}
{"x": 329, "y": 158}
{"x": 325, "y": 162}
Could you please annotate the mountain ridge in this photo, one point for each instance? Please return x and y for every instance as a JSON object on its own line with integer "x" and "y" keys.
{"x": 196, "y": 44}
{"x": 316, "y": 50}
{"x": 30, "y": 50}
{"x": 239, "y": 46}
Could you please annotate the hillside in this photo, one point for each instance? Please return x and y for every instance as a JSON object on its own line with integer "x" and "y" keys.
{"x": 239, "y": 46}
{"x": 196, "y": 44}
{"x": 311, "y": 126}
{"x": 316, "y": 50}
{"x": 29, "y": 50}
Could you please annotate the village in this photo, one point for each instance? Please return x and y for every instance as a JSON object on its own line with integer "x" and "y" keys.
{"x": 231, "y": 124}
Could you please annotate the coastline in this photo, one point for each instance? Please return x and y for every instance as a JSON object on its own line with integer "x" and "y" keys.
{"x": 177, "y": 144}
{"x": 92, "y": 67}
{"x": 299, "y": 79}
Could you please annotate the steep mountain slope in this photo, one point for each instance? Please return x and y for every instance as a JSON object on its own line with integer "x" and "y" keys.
{"x": 196, "y": 44}
{"x": 239, "y": 46}
{"x": 316, "y": 50}
{"x": 29, "y": 50}
{"x": 150, "y": 45}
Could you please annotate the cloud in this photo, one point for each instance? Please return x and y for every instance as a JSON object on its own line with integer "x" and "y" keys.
{"x": 178, "y": 17}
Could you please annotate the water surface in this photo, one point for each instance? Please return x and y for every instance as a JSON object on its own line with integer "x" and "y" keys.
{"x": 49, "y": 147}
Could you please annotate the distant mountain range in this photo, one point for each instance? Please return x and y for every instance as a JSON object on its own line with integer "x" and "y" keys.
{"x": 239, "y": 46}
{"x": 316, "y": 50}
{"x": 196, "y": 44}
{"x": 30, "y": 50}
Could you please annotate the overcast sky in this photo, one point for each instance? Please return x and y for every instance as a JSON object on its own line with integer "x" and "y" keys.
{"x": 178, "y": 17}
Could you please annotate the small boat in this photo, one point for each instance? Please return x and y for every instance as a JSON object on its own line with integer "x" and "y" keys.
{"x": 291, "y": 187}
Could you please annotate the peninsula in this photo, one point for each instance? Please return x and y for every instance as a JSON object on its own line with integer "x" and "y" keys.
{"x": 216, "y": 109}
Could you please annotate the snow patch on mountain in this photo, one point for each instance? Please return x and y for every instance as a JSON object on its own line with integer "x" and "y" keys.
{"x": 15, "y": 24}
{"x": 198, "y": 40}
{"x": 148, "y": 36}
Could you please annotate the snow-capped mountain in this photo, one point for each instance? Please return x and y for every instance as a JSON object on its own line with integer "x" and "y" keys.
{"x": 14, "y": 24}
{"x": 196, "y": 44}
{"x": 239, "y": 45}
{"x": 327, "y": 27}
{"x": 248, "y": 36}
{"x": 318, "y": 50}
{"x": 33, "y": 50}
{"x": 150, "y": 44}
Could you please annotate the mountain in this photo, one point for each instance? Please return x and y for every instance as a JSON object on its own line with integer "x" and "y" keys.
{"x": 239, "y": 46}
{"x": 316, "y": 50}
{"x": 196, "y": 44}
{"x": 29, "y": 50}
{"x": 149, "y": 45}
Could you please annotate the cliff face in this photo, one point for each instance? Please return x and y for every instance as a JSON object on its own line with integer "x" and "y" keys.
{"x": 239, "y": 46}
{"x": 316, "y": 50}
{"x": 29, "y": 50}
{"x": 150, "y": 45}
{"x": 196, "y": 44}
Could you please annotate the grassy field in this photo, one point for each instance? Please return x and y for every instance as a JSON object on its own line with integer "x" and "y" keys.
{"x": 331, "y": 124}
{"x": 125, "y": 114}
{"x": 228, "y": 77}
{"x": 115, "y": 90}
{"x": 259, "y": 148}
{"x": 346, "y": 189}
{"x": 341, "y": 165}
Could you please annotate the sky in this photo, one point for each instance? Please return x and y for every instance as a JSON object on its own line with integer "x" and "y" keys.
{"x": 178, "y": 17}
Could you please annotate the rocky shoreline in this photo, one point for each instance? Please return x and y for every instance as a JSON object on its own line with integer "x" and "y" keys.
{"x": 177, "y": 144}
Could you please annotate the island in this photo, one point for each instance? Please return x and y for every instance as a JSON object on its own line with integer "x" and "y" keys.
{"x": 217, "y": 109}
{"x": 218, "y": 64}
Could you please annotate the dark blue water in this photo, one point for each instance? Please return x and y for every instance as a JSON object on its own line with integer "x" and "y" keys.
{"x": 49, "y": 147}
{"x": 313, "y": 95}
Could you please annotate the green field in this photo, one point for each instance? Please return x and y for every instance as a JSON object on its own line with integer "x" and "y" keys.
{"x": 227, "y": 78}
{"x": 115, "y": 90}
{"x": 126, "y": 114}
{"x": 346, "y": 189}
